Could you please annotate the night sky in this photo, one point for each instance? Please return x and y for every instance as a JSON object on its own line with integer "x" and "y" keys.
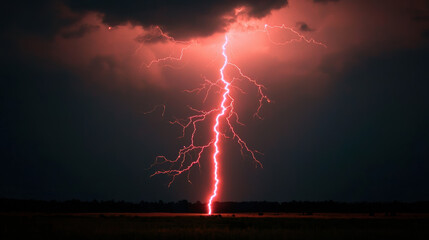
{"x": 349, "y": 122}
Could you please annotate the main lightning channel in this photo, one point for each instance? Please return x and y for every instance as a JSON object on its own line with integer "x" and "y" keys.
{"x": 216, "y": 126}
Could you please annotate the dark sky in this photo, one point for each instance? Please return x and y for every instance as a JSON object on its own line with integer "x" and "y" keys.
{"x": 347, "y": 123}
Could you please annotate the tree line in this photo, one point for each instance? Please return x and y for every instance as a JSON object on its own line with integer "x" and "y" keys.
{"x": 184, "y": 206}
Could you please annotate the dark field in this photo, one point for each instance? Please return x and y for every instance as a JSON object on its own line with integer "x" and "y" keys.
{"x": 200, "y": 226}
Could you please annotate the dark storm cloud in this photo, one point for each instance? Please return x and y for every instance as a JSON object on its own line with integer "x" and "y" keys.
{"x": 43, "y": 18}
{"x": 80, "y": 31}
{"x": 184, "y": 19}
{"x": 303, "y": 27}
{"x": 181, "y": 19}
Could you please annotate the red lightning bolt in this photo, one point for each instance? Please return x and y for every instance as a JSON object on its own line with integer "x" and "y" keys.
{"x": 223, "y": 106}
{"x": 223, "y": 114}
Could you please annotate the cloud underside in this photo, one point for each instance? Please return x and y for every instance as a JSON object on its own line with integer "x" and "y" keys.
{"x": 180, "y": 19}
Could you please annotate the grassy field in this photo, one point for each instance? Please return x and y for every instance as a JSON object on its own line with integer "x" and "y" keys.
{"x": 198, "y": 226}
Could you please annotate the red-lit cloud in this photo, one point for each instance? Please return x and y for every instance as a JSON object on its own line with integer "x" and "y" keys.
{"x": 115, "y": 47}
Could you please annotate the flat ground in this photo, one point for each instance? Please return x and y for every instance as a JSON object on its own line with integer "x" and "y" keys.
{"x": 225, "y": 226}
